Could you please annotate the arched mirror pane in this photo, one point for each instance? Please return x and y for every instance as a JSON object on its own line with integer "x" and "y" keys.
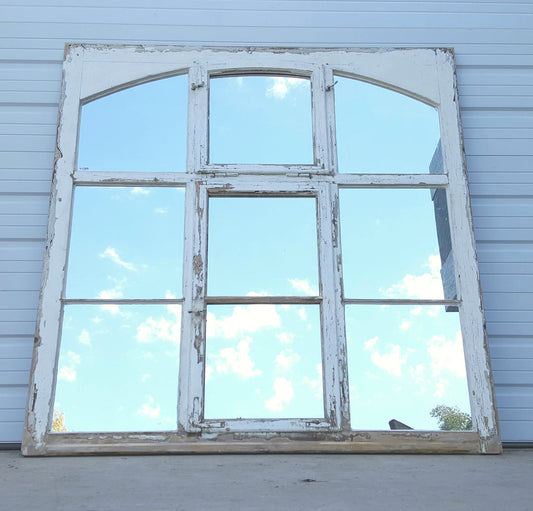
{"x": 140, "y": 129}
{"x": 382, "y": 131}
{"x": 260, "y": 119}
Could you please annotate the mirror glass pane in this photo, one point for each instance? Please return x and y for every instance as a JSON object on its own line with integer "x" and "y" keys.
{"x": 118, "y": 368}
{"x": 264, "y": 245}
{"x": 382, "y": 131}
{"x": 396, "y": 244}
{"x": 260, "y": 119}
{"x": 140, "y": 129}
{"x": 263, "y": 361}
{"x": 406, "y": 363}
{"x": 126, "y": 242}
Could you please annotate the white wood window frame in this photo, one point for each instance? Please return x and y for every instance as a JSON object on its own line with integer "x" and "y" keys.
{"x": 428, "y": 75}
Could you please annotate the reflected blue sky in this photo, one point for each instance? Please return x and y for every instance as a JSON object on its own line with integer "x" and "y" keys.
{"x": 381, "y": 131}
{"x": 140, "y": 129}
{"x": 264, "y": 245}
{"x": 260, "y": 119}
{"x": 118, "y": 364}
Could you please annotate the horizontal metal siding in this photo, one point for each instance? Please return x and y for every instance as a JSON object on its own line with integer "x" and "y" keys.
{"x": 494, "y": 51}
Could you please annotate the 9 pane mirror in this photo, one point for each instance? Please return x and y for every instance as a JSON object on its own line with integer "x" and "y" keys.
{"x": 261, "y": 251}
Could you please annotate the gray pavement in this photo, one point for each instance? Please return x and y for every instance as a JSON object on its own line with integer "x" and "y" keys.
{"x": 264, "y": 482}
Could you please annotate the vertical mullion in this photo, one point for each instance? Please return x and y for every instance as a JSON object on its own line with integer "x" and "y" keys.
{"x": 336, "y": 393}
{"x": 192, "y": 354}
{"x": 318, "y": 108}
{"x": 192, "y": 349}
{"x": 198, "y": 119}
{"x": 331, "y": 127}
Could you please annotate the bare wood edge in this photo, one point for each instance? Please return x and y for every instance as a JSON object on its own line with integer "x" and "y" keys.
{"x": 369, "y": 442}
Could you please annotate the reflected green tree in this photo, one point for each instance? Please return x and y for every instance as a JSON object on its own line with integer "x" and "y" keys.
{"x": 58, "y": 422}
{"x": 451, "y": 418}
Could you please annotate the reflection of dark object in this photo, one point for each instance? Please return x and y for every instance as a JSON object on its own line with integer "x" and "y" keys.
{"x": 443, "y": 232}
{"x": 394, "y": 424}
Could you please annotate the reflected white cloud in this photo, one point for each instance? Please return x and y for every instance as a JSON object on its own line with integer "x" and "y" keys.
{"x": 110, "y": 294}
{"x": 405, "y": 325}
{"x": 148, "y": 409}
{"x": 315, "y": 384}
{"x": 244, "y": 319}
{"x": 67, "y": 371}
{"x": 152, "y": 330}
{"x": 237, "y": 360}
{"x": 304, "y": 286}
{"x": 286, "y": 359}
{"x": 285, "y": 337}
{"x": 281, "y": 86}
{"x": 283, "y": 394}
{"x": 425, "y": 286}
{"x": 84, "y": 338}
{"x": 447, "y": 355}
{"x": 174, "y": 309}
{"x": 418, "y": 374}
{"x": 390, "y": 362}
{"x": 162, "y": 328}
{"x": 369, "y": 345}
{"x": 111, "y": 254}
{"x": 138, "y": 190}
{"x": 441, "y": 387}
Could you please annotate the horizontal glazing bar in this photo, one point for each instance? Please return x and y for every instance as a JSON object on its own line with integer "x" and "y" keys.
{"x": 259, "y": 300}
{"x": 86, "y": 177}
{"x": 392, "y": 180}
{"x": 290, "y": 174}
{"x": 378, "y": 301}
{"x": 261, "y": 168}
{"x": 123, "y": 301}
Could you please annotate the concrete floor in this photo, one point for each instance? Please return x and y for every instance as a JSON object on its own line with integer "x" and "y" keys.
{"x": 277, "y": 482}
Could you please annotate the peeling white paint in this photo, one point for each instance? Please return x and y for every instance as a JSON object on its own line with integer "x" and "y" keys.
{"x": 424, "y": 74}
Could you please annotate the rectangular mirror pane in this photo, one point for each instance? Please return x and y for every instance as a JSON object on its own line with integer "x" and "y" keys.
{"x": 382, "y": 131}
{"x": 396, "y": 244}
{"x": 263, "y": 361}
{"x": 126, "y": 242}
{"x": 260, "y": 119}
{"x": 118, "y": 368}
{"x": 139, "y": 129}
{"x": 406, "y": 364}
{"x": 262, "y": 245}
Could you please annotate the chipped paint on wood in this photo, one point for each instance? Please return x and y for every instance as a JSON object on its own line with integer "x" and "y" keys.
{"x": 427, "y": 75}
